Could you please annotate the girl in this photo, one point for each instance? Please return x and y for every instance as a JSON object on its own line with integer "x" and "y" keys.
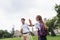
{"x": 42, "y": 28}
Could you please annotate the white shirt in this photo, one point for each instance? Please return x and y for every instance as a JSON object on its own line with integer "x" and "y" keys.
{"x": 37, "y": 25}
{"x": 25, "y": 28}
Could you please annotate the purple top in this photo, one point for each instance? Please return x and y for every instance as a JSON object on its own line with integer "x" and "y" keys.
{"x": 42, "y": 32}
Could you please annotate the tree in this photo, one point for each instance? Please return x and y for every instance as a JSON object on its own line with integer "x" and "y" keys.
{"x": 55, "y": 22}
{"x": 51, "y": 24}
{"x": 57, "y": 9}
{"x": 1, "y": 33}
{"x": 4, "y": 34}
{"x": 12, "y": 33}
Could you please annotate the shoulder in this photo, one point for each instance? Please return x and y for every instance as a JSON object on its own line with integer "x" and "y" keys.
{"x": 26, "y": 24}
{"x": 37, "y": 23}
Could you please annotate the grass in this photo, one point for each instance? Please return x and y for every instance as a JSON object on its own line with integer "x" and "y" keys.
{"x": 35, "y": 38}
{"x": 53, "y": 38}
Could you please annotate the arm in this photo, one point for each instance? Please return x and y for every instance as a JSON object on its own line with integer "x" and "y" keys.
{"x": 30, "y": 23}
{"x": 46, "y": 27}
{"x": 21, "y": 30}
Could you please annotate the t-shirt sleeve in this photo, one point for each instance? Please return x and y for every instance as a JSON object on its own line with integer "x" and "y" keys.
{"x": 37, "y": 25}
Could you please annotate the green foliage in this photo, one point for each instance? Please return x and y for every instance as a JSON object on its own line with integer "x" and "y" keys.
{"x": 55, "y": 22}
{"x": 52, "y": 25}
{"x": 12, "y": 33}
{"x": 4, "y": 34}
{"x": 57, "y": 8}
{"x": 1, "y": 33}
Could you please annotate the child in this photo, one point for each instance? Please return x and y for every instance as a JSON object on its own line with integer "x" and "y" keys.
{"x": 25, "y": 30}
{"x": 42, "y": 28}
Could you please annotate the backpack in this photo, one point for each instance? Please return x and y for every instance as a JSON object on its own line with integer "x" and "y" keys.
{"x": 42, "y": 32}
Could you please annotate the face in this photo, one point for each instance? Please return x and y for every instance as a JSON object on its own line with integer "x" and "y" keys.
{"x": 23, "y": 21}
{"x": 37, "y": 19}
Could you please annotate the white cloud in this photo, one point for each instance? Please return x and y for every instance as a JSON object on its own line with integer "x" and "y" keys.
{"x": 12, "y": 10}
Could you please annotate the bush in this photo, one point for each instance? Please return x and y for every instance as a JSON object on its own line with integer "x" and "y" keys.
{"x": 4, "y": 34}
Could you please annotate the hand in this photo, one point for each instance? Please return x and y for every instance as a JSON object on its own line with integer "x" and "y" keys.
{"x": 29, "y": 21}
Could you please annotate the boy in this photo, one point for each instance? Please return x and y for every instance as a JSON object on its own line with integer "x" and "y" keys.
{"x": 25, "y": 30}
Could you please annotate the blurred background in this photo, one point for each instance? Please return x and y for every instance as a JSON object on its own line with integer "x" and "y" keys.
{"x": 11, "y": 12}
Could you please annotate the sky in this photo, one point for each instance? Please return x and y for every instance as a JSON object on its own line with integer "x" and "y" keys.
{"x": 11, "y": 11}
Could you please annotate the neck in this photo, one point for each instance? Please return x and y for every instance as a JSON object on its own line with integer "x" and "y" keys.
{"x": 38, "y": 21}
{"x": 23, "y": 23}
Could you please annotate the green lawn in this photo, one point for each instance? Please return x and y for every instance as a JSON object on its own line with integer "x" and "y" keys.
{"x": 34, "y": 38}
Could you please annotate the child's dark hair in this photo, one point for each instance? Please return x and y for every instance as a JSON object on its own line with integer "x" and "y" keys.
{"x": 23, "y": 19}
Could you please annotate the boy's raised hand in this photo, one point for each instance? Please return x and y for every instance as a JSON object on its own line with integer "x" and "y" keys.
{"x": 30, "y": 22}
